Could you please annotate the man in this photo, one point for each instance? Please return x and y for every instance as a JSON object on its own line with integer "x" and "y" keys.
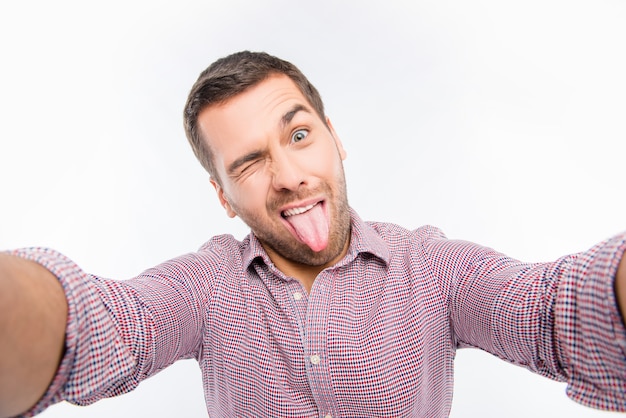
{"x": 315, "y": 313}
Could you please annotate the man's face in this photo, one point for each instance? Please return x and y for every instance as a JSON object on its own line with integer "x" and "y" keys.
{"x": 280, "y": 169}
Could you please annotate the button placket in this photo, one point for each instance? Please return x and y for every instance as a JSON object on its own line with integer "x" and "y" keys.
{"x": 316, "y": 344}
{"x": 298, "y": 301}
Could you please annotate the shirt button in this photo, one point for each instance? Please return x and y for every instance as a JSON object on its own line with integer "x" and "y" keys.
{"x": 328, "y": 416}
{"x": 297, "y": 296}
{"x": 315, "y": 359}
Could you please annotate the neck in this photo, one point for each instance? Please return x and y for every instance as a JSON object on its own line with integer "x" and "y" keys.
{"x": 305, "y": 274}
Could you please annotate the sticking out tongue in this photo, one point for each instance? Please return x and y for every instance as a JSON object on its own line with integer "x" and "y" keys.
{"x": 311, "y": 227}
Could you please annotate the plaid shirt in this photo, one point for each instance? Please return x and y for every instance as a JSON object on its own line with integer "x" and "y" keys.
{"x": 376, "y": 336}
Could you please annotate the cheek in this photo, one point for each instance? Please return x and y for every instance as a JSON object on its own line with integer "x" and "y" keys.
{"x": 327, "y": 164}
{"x": 251, "y": 194}
{"x": 322, "y": 160}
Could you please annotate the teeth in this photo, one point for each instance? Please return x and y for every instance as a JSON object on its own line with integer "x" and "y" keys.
{"x": 297, "y": 211}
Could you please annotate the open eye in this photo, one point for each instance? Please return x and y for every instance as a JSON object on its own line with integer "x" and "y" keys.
{"x": 299, "y": 135}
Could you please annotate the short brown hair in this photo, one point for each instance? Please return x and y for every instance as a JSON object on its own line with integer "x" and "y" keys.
{"x": 228, "y": 77}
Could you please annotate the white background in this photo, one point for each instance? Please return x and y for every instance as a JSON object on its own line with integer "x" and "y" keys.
{"x": 500, "y": 122}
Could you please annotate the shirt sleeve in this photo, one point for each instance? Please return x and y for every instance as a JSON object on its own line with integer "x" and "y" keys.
{"x": 557, "y": 319}
{"x": 119, "y": 333}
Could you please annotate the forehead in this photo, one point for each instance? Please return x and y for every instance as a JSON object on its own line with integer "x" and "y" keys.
{"x": 261, "y": 97}
{"x": 236, "y": 124}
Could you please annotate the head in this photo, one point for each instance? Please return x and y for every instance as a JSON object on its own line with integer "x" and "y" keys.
{"x": 258, "y": 127}
{"x": 228, "y": 77}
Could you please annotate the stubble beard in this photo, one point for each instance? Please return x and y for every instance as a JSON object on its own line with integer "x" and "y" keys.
{"x": 287, "y": 246}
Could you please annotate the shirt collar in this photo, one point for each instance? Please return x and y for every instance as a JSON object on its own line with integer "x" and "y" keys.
{"x": 364, "y": 239}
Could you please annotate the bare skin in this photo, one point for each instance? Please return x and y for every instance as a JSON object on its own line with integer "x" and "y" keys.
{"x": 281, "y": 153}
{"x": 33, "y": 314}
{"x": 273, "y": 153}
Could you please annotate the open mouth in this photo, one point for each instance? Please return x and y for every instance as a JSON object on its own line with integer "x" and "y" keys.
{"x": 298, "y": 211}
{"x": 309, "y": 224}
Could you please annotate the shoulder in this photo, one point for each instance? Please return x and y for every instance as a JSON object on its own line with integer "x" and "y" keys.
{"x": 223, "y": 252}
{"x": 221, "y": 244}
{"x": 393, "y": 233}
{"x": 212, "y": 258}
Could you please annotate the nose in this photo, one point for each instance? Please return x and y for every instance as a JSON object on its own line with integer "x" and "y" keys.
{"x": 286, "y": 173}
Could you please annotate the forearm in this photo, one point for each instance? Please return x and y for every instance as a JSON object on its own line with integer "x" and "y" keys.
{"x": 33, "y": 312}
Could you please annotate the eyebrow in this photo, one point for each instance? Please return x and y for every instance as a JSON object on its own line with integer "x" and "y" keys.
{"x": 287, "y": 117}
{"x": 284, "y": 121}
{"x": 244, "y": 159}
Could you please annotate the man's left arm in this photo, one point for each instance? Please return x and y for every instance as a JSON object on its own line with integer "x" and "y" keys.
{"x": 563, "y": 319}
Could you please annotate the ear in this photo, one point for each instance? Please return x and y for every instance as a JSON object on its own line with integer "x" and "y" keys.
{"x": 223, "y": 200}
{"x": 342, "y": 152}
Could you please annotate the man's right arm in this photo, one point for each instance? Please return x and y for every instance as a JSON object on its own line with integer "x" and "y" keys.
{"x": 33, "y": 315}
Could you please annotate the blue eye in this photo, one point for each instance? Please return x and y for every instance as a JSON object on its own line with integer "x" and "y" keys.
{"x": 299, "y": 135}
